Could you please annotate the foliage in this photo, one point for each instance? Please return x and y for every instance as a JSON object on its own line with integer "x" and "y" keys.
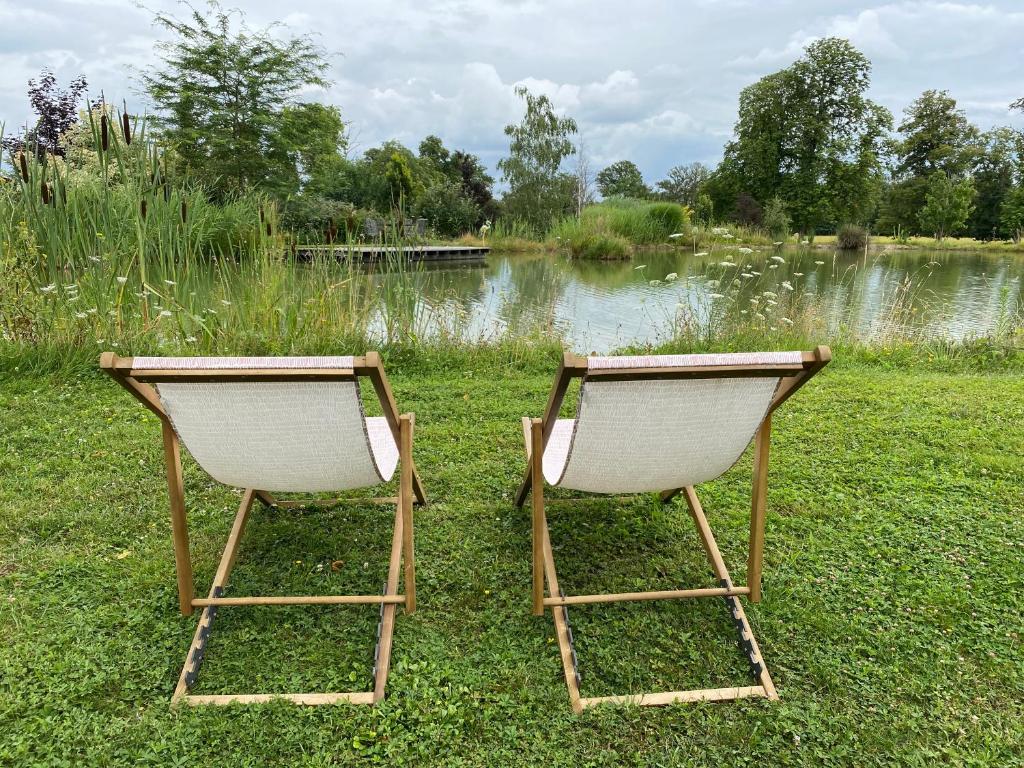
{"x": 809, "y": 135}
{"x": 999, "y": 165}
{"x": 748, "y": 211}
{"x": 948, "y": 203}
{"x": 1012, "y": 214}
{"x": 775, "y": 219}
{"x": 538, "y": 189}
{"x": 619, "y": 222}
{"x": 398, "y": 176}
{"x": 622, "y": 179}
{"x": 852, "y": 237}
{"x": 937, "y": 136}
{"x": 314, "y": 219}
{"x": 228, "y": 102}
{"x": 56, "y": 112}
{"x": 683, "y": 184}
{"x": 450, "y": 212}
{"x": 20, "y": 300}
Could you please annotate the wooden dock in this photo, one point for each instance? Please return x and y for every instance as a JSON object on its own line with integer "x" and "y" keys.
{"x": 371, "y": 253}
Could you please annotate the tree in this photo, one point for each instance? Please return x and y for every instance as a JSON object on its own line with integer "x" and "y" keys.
{"x": 809, "y": 135}
{"x": 683, "y": 183}
{"x": 583, "y": 177}
{"x": 538, "y": 189}
{"x": 997, "y": 167}
{"x": 223, "y": 96}
{"x": 398, "y": 176}
{"x": 622, "y": 179}
{"x": 937, "y": 136}
{"x": 450, "y": 212}
{"x": 1012, "y": 219}
{"x": 947, "y": 205}
{"x": 476, "y": 184}
{"x": 56, "y": 112}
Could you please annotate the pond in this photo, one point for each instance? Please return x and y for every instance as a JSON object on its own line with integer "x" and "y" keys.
{"x": 601, "y": 305}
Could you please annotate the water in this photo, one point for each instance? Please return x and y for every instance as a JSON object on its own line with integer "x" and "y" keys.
{"x": 601, "y": 305}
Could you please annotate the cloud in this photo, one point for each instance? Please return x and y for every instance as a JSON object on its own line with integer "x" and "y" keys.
{"x": 657, "y": 85}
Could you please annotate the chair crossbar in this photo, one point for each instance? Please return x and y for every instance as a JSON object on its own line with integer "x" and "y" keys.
{"x": 301, "y": 600}
{"x": 667, "y": 594}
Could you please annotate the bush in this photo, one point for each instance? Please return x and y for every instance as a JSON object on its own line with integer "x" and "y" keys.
{"x": 597, "y": 245}
{"x": 668, "y": 219}
{"x": 315, "y": 219}
{"x": 448, "y": 211}
{"x": 852, "y": 237}
{"x": 637, "y": 221}
{"x": 775, "y": 219}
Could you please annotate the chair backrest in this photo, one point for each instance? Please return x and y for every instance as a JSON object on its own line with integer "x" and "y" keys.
{"x": 276, "y": 424}
{"x": 651, "y": 423}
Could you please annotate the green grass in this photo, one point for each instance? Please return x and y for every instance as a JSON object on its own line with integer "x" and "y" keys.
{"x": 891, "y": 621}
{"x": 931, "y": 244}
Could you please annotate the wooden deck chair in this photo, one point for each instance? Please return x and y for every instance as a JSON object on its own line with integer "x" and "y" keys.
{"x": 660, "y": 423}
{"x": 279, "y": 424}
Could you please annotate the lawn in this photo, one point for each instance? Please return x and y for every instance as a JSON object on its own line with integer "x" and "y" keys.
{"x": 892, "y": 620}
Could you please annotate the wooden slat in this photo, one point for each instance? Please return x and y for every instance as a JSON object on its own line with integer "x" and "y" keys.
{"x": 220, "y": 580}
{"x": 755, "y": 549}
{"x": 307, "y": 699}
{"x": 537, "y": 481}
{"x": 696, "y": 372}
{"x": 179, "y": 523}
{"x": 304, "y": 503}
{"x": 561, "y": 631}
{"x": 678, "y": 697}
{"x": 300, "y": 600}
{"x": 668, "y": 594}
{"x": 405, "y": 484}
{"x": 387, "y": 628}
{"x": 242, "y": 374}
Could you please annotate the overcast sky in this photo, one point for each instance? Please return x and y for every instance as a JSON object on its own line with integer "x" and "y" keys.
{"x": 653, "y": 82}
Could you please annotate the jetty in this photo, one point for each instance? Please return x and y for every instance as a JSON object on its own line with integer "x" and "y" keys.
{"x": 372, "y": 252}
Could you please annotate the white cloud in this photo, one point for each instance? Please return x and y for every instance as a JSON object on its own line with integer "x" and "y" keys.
{"x": 657, "y": 85}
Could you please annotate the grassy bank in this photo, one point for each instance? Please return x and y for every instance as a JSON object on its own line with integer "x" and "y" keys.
{"x": 963, "y": 244}
{"x": 894, "y": 527}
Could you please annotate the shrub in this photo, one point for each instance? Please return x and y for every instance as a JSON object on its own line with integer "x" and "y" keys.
{"x": 597, "y": 245}
{"x": 852, "y": 237}
{"x": 775, "y": 219}
{"x": 315, "y": 219}
{"x": 448, "y": 211}
{"x": 667, "y": 219}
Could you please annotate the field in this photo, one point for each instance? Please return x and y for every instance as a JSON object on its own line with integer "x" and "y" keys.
{"x": 891, "y": 622}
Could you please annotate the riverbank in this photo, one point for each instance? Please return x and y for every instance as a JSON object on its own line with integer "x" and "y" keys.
{"x": 895, "y": 492}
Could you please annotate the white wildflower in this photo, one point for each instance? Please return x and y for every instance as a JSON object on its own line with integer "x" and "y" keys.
{"x": 48, "y": 288}
{"x": 819, "y": 263}
{"x": 225, "y": 302}
{"x": 787, "y": 321}
{"x": 787, "y": 285}
{"x": 170, "y": 282}
{"x": 677, "y": 234}
{"x": 778, "y": 259}
{"x": 122, "y": 280}
{"x": 671, "y": 276}
{"x": 746, "y": 274}
{"x": 654, "y": 282}
{"x": 770, "y": 295}
{"x": 745, "y": 251}
{"x": 640, "y": 267}
{"x": 165, "y": 313}
{"x": 702, "y": 253}
{"x": 773, "y": 266}
{"x": 715, "y": 296}
{"x": 755, "y": 272}
{"x": 778, "y": 243}
{"x": 726, "y": 264}
{"x": 81, "y": 315}
{"x": 798, "y": 274}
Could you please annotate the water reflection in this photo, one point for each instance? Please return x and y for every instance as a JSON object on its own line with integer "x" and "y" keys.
{"x": 601, "y": 305}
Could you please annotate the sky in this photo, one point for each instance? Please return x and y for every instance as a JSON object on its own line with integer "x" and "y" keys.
{"x": 652, "y": 82}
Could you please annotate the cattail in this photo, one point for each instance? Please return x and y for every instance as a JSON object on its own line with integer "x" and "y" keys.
{"x": 104, "y": 134}
{"x": 126, "y": 127}
{"x": 44, "y": 190}
{"x": 261, "y": 214}
{"x": 270, "y": 231}
{"x": 184, "y": 211}
{"x": 167, "y": 192}
{"x": 24, "y": 167}
{"x": 142, "y": 208}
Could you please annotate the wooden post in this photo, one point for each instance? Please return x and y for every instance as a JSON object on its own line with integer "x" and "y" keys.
{"x": 755, "y": 550}
{"x": 537, "y": 484}
{"x": 179, "y": 525}
{"x": 405, "y": 501}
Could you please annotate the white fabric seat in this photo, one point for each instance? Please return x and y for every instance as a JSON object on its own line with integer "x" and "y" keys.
{"x": 302, "y": 436}
{"x": 649, "y": 434}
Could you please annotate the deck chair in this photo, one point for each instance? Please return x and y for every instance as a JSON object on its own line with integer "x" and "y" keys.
{"x": 661, "y": 423}
{"x": 270, "y": 425}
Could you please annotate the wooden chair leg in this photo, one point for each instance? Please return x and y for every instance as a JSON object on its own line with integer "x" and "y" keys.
{"x": 179, "y": 525}
{"x": 405, "y": 501}
{"x": 537, "y": 484}
{"x": 755, "y": 551}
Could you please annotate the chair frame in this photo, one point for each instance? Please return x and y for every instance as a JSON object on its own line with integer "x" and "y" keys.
{"x": 138, "y": 382}
{"x": 536, "y": 433}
